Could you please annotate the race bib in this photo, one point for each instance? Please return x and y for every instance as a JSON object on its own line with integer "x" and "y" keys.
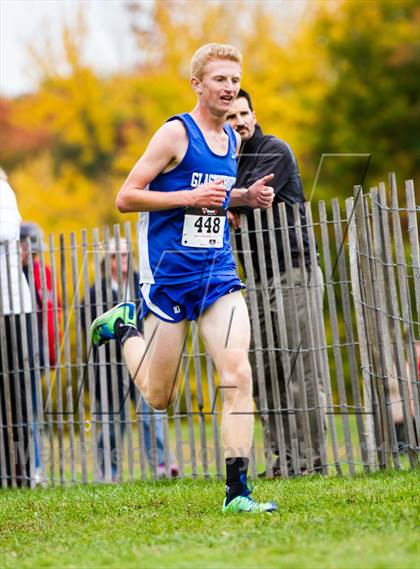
{"x": 204, "y": 227}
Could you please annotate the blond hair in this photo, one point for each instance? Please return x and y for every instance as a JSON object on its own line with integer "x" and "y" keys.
{"x": 211, "y": 51}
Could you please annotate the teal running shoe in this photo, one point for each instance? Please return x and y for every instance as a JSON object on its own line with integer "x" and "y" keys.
{"x": 102, "y": 328}
{"x": 244, "y": 503}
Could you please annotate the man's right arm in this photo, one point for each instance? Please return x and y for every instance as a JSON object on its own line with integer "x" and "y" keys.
{"x": 273, "y": 156}
{"x": 167, "y": 147}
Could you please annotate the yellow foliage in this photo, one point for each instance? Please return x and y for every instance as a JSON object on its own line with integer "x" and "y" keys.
{"x": 98, "y": 127}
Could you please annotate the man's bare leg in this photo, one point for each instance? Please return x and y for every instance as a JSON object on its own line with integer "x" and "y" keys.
{"x": 225, "y": 330}
{"x": 154, "y": 361}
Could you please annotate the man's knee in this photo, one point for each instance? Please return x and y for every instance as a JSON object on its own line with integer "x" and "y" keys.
{"x": 158, "y": 399}
{"x": 238, "y": 376}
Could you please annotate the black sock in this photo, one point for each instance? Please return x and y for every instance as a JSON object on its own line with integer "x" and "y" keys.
{"x": 124, "y": 331}
{"x": 236, "y": 471}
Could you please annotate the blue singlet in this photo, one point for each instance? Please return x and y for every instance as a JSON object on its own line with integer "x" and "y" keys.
{"x": 163, "y": 258}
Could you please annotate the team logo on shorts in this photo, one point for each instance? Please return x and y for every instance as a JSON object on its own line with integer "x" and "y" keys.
{"x": 177, "y": 309}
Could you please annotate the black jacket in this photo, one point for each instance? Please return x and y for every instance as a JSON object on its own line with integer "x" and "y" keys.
{"x": 262, "y": 155}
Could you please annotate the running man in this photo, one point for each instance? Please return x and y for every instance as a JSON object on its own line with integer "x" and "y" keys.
{"x": 182, "y": 185}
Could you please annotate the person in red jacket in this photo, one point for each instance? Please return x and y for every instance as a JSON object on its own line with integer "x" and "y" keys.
{"x": 34, "y": 232}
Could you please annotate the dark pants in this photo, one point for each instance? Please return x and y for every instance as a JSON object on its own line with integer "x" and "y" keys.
{"x": 305, "y": 374}
{"x": 18, "y": 401}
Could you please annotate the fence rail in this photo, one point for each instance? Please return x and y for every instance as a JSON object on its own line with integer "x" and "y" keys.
{"x": 340, "y": 394}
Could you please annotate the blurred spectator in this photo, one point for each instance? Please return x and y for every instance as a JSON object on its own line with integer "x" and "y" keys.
{"x": 109, "y": 293}
{"x": 43, "y": 297}
{"x": 396, "y": 403}
{"x": 262, "y": 154}
{"x": 15, "y": 310}
{"x": 34, "y": 232}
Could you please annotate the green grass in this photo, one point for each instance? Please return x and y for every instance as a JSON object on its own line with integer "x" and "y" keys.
{"x": 365, "y": 522}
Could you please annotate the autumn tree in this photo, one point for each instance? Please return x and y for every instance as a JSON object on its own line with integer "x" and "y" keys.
{"x": 327, "y": 77}
{"x": 371, "y": 106}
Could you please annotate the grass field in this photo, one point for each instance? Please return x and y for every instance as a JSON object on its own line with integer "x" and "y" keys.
{"x": 365, "y": 522}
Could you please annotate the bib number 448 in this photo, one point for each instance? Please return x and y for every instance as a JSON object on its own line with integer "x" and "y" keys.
{"x": 207, "y": 225}
{"x": 204, "y": 227}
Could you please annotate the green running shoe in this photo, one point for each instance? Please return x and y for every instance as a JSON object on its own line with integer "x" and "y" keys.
{"x": 102, "y": 328}
{"x": 247, "y": 504}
